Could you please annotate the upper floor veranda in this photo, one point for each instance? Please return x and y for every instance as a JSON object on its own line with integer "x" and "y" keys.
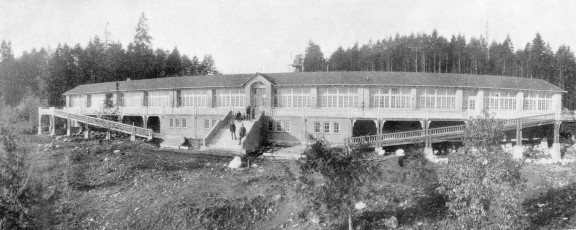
{"x": 354, "y": 101}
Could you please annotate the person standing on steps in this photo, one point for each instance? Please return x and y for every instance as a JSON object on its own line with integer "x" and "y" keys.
{"x": 248, "y": 109}
{"x": 242, "y": 133}
{"x": 233, "y": 130}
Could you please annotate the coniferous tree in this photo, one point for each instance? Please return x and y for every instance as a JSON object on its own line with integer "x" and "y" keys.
{"x": 314, "y": 58}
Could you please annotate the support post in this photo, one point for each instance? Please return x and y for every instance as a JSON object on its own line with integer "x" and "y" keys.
{"x": 428, "y": 151}
{"x": 86, "y": 131}
{"x": 52, "y": 125}
{"x": 68, "y": 125}
{"x": 133, "y": 135}
{"x": 555, "y": 153}
{"x": 39, "y": 123}
{"x": 518, "y": 151}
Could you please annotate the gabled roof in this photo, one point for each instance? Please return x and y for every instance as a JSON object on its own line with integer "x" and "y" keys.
{"x": 328, "y": 78}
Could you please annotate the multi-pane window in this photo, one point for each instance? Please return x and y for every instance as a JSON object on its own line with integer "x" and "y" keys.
{"x": 214, "y": 122}
{"x": 159, "y": 98}
{"x": 339, "y": 97}
{"x": 391, "y": 98}
{"x": 177, "y": 122}
{"x": 230, "y": 97}
{"x": 193, "y": 98}
{"x": 78, "y": 101}
{"x": 278, "y": 126}
{"x": 184, "y": 123}
{"x": 438, "y": 99}
{"x": 316, "y": 127}
{"x": 171, "y": 123}
{"x": 336, "y": 127}
{"x": 537, "y": 101}
{"x": 133, "y": 99}
{"x": 286, "y": 126}
{"x": 500, "y": 100}
{"x": 293, "y": 97}
{"x": 96, "y": 100}
{"x": 271, "y": 126}
{"x": 326, "y": 127}
{"x": 207, "y": 124}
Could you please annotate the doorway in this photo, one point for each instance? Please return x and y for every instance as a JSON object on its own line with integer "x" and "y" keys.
{"x": 258, "y": 98}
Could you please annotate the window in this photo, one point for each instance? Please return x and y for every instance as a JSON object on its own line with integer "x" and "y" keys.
{"x": 78, "y": 101}
{"x": 193, "y": 98}
{"x": 133, "y": 99}
{"x": 495, "y": 100}
{"x": 278, "y": 126}
{"x": 326, "y": 127}
{"x": 214, "y": 122}
{"x": 177, "y": 122}
{"x": 171, "y": 123}
{"x": 270, "y": 126}
{"x": 537, "y": 101}
{"x": 391, "y": 98}
{"x": 339, "y": 97}
{"x": 206, "y": 123}
{"x": 316, "y": 127}
{"x": 230, "y": 97}
{"x": 472, "y": 104}
{"x": 184, "y": 123}
{"x": 336, "y": 127}
{"x": 293, "y": 97}
{"x": 444, "y": 99}
{"x": 159, "y": 99}
{"x": 286, "y": 126}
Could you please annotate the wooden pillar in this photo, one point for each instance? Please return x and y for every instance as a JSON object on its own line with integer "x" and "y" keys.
{"x": 518, "y": 151}
{"x": 86, "y": 131}
{"x": 52, "y": 125}
{"x": 352, "y": 121}
{"x": 425, "y": 124}
{"x": 377, "y": 122}
{"x": 68, "y": 124}
{"x": 39, "y": 123}
{"x": 555, "y": 153}
{"x": 145, "y": 122}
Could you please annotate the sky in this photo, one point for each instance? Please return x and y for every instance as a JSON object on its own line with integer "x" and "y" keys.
{"x": 264, "y": 35}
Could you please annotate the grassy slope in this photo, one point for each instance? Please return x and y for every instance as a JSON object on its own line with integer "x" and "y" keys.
{"x": 146, "y": 188}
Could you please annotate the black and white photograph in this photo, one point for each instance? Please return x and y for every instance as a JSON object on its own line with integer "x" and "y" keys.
{"x": 287, "y": 114}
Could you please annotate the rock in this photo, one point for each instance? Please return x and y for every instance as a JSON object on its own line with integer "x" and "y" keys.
{"x": 315, "y": 219}
{"x": 435, "y": 152}
{"x": 400, "y": 152}
{"x": 392, "y": 222}
{"x": 381, "y": 152}
{"x": 116, "y": 151}
{"x": 360, "y": 205}
{"x": 235, "y": 163}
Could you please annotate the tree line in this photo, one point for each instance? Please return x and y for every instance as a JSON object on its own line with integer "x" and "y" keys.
{"x": 47, "y": 73}
{"x": 434, "y": 53}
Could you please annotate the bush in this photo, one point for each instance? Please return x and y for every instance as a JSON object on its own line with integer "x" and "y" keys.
{"x": 483, "y": 184}
{"x": 16, "y": 195}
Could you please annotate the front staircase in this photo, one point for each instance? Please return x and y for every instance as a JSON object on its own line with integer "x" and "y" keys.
{"x": 223, "y": 140}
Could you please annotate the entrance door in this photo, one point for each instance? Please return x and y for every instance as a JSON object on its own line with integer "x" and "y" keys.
{"x": 259, "y": 99}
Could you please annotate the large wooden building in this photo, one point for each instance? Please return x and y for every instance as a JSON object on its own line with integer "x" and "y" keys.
{"x": 338, "y": 105}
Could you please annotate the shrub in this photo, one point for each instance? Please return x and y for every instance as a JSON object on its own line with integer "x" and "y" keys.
{"x": 16, "y": 195}
{"x": 336, "y": 179}
{"x": 483, "y": 184}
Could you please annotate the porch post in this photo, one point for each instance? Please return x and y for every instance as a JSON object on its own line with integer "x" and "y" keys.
{"x": 52, "y": 125}
{"x": 39, "y": 122}
{"x": 555, "y": 153}
{"x": 68, "y": 124}
{"x": 86, "y": 131}
{"x": 518, "y": 149}
{"x": 428, "y": 151}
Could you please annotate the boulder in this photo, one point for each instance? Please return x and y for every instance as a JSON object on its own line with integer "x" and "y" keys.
{"x": 360, "y": 205}
{"x": 400, "y": 152}
{"x": 235, "y": 163}
{"x": 392, "y": 222}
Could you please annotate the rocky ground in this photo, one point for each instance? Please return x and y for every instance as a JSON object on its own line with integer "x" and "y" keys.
{"x": 123, "y": 185}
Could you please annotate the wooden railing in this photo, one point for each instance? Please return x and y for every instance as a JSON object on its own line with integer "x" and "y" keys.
{"x": 418, "y": 135}
{"x": 112, "y": 125}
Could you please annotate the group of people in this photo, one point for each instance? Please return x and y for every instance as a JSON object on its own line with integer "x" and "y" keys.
{"x": 233, "y": 132}
{"x": 250, "y": 114}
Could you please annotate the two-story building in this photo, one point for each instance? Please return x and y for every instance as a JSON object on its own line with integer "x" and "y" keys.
{"x": 338, "y": 105}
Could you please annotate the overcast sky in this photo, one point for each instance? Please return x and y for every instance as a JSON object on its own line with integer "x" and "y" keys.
{"x": 263, "y": 35}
